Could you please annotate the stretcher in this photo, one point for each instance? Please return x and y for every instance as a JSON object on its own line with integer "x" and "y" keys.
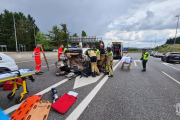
{"x": 124, "y": 64}
{"x": 14, "y": 75}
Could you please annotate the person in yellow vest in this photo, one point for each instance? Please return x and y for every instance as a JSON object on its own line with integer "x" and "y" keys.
{"x": 109, "y": 61}
{"x": 93, "y": 60}
{"x": 68, "y": 46}
{"x": 98, "y": 58}
{"x": 144, "y": 57}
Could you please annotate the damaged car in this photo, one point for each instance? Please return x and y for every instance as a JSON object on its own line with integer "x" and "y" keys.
{"x": 74, "y": 60}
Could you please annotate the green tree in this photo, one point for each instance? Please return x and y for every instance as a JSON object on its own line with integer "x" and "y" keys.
{"x": 83, "y": 33}
{"x": 66, "y": 33}
{"x": 75, "y": 35}
{"x": 24, "y": 30}
{"x": 41, "y": 38}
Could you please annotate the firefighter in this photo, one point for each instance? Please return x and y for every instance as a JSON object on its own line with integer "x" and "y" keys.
{"x": 60, "y": 51}
{"x": 109, "y": 61}
{"x": 68, "y": 46}
{"x": 102, "y": 56}
{"x": 93, "y": 60}
{"x": 97, "y": 52}
{"x": 145, "y": 56}
{"x": 37, "y": 56}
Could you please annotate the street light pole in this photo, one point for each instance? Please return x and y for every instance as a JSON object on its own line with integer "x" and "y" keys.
{"x": 34, "y": 36}
{"x": 176, "y": 32}
{"x": 155, "y": 41}
{"x": 15, "y": 33}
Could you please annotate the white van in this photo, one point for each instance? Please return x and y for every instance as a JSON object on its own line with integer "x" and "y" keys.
{"x": 7, "y": 63}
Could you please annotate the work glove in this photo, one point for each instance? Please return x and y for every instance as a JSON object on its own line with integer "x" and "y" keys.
{"x": 33, "y": 56}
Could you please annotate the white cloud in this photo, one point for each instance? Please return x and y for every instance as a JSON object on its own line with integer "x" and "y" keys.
{"x": 134, "y": 22}
{"x": 137, "y": 28}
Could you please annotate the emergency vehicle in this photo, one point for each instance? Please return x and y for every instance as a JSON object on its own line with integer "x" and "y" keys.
{"x": 117, "y": 48}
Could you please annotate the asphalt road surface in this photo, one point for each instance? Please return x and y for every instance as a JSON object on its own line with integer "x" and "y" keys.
{"x": 129, "y": 95}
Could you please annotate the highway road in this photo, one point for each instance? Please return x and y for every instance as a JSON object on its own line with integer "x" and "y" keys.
{"x": 129, "y": 95}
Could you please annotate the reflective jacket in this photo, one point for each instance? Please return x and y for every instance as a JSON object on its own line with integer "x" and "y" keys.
{"x": 91, "y": 53}
{"x": 145, "y": 56}
{"x": 101, "y": 50}
{"x": 109, "y": 54}
{"x": 60, "y": 51}
{"x": 37, "y": 52}
{"x": 65, "y": 49}
{"x": 97, "y": 52}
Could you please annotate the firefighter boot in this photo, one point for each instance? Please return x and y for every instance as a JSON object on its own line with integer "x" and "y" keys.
{"x": 110, "y": 75}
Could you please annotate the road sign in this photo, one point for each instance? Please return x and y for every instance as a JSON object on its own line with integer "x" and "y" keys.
{"x": 125, "y": 48}
{"x": 4, "y": 47}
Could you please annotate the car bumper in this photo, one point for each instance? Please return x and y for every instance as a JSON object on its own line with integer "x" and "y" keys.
{"x": 171, "y": 60}
{"x": 12, "y": 68}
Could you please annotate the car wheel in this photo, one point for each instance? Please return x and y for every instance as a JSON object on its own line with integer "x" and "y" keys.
{"x": 166, "y": 60}
{"x": 162, "y": 59}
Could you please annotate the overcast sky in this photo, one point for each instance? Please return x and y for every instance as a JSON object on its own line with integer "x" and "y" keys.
{"x": 134, "y": 22}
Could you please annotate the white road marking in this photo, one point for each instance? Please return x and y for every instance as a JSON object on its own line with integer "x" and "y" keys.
{"x": 136, "y": 61}
{"x": 115, "y": 60}
{"x": 49, "y": 65}
{"x": 81, "y": 107}
{"x": 80, "y": 82}
{"x": 11, "y": 109}
{"x": 171, "y": 77}
{"x": 170, "y": 66}
{"x": 33, "y": 60}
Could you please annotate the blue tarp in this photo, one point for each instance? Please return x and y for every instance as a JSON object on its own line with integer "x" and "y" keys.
{"x": 3, "y": 116}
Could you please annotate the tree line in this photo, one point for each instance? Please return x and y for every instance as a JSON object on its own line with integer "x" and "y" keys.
{"x": 25, "y": 26}
{"x": 171, "y": 40}
{"x": 28, "y": 33}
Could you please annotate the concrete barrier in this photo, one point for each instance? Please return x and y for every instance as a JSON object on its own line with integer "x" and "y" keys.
{"x": 28, "y": 55}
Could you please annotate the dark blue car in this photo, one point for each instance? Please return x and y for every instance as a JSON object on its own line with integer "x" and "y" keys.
{"x": 171, "y": 57}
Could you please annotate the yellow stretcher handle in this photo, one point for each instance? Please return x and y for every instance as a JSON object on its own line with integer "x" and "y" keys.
{"x": 16, "y": 77}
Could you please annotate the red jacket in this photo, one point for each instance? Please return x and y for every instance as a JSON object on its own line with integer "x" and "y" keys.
{"x": 37, "y": 52}
{"x": 60, "y": 50}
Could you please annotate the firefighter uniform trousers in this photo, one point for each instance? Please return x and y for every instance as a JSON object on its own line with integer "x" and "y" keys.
{"x": 98, "y": 59}
{"x": 102, "y": 59}
{"x": 93, "y": 60}
{"x": 109, "y": 64}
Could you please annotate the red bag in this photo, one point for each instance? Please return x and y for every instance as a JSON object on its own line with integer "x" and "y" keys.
{"x": 64, "y": 103}
{"x": 9, "y": 85}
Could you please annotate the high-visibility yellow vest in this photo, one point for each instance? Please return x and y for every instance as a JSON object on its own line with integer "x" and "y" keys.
{"x": 97, "y": 52}
{"x": 146, "y": 56}
{"x": 109, "y": 54}
{"x": 65, "y": 49}
{"x": 91, "y": 53}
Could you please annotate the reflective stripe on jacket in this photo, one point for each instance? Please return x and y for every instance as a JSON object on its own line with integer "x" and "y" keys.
{"x": 37, "y": 52}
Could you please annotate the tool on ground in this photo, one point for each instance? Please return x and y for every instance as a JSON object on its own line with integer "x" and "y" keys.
{"x": 23, "y": 110}
{"x": 55, "y": 94}
{"x": 39, "y": 111}
{"x": 14, "y": 76}
{"x": 64, "y": 103}
{"x": 70, "y": 75}
{"x": 45, "y": 57}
